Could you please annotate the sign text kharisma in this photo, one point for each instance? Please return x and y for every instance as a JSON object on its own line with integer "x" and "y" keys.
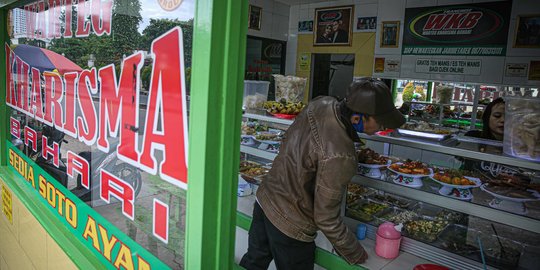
{"x": 54, "y": 99}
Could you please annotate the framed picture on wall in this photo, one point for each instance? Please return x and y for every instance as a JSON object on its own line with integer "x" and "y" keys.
{"x": 333, "y": 26}
{"x": 390, "y": 34}
{"x": 255, "y": 14}
{"x": 527, "y": 31}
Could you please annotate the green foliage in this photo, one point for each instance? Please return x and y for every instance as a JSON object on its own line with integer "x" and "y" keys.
{"x": 145, "y": 77}
{"x": 158, "y": 27}
{"x": 408, "y": 92}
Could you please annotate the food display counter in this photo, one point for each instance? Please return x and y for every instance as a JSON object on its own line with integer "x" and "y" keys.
{"x": 464, "y": 204}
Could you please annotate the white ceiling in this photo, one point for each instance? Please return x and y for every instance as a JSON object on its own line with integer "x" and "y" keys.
{"x": 298, "y": 2}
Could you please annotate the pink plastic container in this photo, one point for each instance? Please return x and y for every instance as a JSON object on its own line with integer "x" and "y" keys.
{"x": 388, "y": 240}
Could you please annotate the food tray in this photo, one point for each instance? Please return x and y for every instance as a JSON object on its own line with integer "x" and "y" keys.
{"x": 392, "y": 200}
{"x": 394, "y": 215}
{"x": 424, "y": 209}
{"x": 358, "y": 211}
{"x": 423, "y": 135}
{"x": 454, "y": 239}
{"x": 428, "y": 231}
{"x": 492, "y": 249}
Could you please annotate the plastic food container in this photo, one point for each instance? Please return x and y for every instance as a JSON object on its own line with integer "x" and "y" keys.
{"x": 394, "y": 215}
{"x": 393, "y": 200}
{"x": 454, "y": 239}
{"x": 424, "y": 209}
{"x": 255, "y": 94}
{"x": 506, "y": 259}
{"x": 289, "y": 88}
{"x": 425, "y": 229}
{"x": 388, "y": 240}
{"x": 364, "y": 209}
{"x": 522, "y": 128}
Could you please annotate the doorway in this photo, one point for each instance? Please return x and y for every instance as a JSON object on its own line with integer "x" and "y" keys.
{"x": 332, "y": 74}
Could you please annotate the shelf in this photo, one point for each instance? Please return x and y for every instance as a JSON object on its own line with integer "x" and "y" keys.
{"x": 268, "y": 118}
{"x": 257, "y": 152}
{"x": 484, "y": 212}
{"x": 435, "y": 147}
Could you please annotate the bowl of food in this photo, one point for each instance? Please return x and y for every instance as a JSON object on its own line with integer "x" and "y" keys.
{"x": 409, "y": 173}
{"x": 455, "y": 184}
{"x": 252, "y": 172}
{"x": 370, "y": 163}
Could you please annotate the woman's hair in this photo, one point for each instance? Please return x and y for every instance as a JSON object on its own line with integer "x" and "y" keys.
{"x": 486, "y": 132}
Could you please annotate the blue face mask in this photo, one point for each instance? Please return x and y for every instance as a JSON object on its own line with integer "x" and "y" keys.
{"x": 360, "y": 126}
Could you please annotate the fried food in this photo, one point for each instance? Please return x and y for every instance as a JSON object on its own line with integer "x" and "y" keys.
{"x": 411, "y": 167}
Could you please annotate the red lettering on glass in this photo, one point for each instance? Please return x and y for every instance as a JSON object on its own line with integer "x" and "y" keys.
{"x": 70, "y": 80}
{"x": 53, "y": 151}
{"x": 15, "y": 127}
{"x": 101, "y": 16}
{"x": 160, "y": 221}
{"x": 36, "y": 103}
{"x": 30, "y": 136}
{"x": 54, "y": 19}
{"x": 53, "y": 97}
{"x": 87, "y": 123}
{"x": 69, "y": 13}
{"x": 113, "y": 186}
{"x": 83, "y": 26}
{"x": 166, "y": 102}
{"x": 76, "y": 163}
{"x": 119, "y": 107}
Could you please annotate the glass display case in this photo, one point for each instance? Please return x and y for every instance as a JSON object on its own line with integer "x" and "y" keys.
{"x": 464, "y": 202}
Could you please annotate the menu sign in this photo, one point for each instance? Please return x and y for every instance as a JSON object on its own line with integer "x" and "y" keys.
{"x": 474, "y": 29}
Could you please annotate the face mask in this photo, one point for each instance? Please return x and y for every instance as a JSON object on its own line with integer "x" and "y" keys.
{"x": 360, "y": 126}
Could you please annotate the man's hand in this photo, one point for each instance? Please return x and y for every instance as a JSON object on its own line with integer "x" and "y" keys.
{"x": 363, "y": 258}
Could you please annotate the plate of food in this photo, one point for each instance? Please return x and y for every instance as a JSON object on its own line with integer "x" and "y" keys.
{"x": 510, "y": 199}
{"x": 283, "y": 109}
{"x": 248, "y": 140}
{"x": 370, "y": 163}
{"x": 455, "y": 184}
{"x": 409, "y": 173}
{"x": 252, "y": 172}
{"x": 271, "y": 135}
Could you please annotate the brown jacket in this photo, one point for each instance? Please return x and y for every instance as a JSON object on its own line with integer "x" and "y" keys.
{"x": 305, "y": 187}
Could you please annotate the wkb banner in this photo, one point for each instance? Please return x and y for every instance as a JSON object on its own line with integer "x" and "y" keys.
{"x": 474, "y": 29}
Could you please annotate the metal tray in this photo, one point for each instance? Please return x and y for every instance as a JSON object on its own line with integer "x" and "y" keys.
{"x": 424, "y": 209}
{"x": 354, "y": 210}
{"x": 423, "y": 135}
{"x": 422, "y": 236}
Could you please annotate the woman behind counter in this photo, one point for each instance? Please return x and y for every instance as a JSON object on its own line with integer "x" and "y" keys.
{"x": 493, "y": 122}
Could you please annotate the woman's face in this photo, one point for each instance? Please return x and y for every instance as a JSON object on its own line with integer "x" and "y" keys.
{"x": 496, "y": 121}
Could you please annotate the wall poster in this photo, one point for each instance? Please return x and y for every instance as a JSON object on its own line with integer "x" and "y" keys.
{"x": 333, "y": 26}
{"x": 471, "y": 29}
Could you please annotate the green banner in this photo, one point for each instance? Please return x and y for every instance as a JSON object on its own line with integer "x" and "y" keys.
{"x": 114, "y": 249}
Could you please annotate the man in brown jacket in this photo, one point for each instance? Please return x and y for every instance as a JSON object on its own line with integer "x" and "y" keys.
{"x": 304, "y": 189}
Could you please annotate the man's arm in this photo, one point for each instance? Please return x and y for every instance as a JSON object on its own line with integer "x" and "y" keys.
{"x": 333, "y": 175}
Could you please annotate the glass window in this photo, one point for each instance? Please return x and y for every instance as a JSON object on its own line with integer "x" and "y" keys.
{"x": 97, "y": 89}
